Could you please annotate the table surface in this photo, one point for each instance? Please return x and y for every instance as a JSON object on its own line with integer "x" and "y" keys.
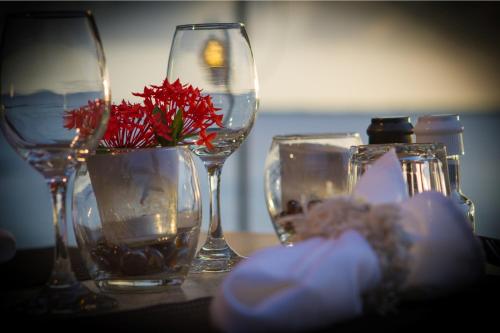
{"x": 197, "y": 285}
{"x": 186, "y": 307}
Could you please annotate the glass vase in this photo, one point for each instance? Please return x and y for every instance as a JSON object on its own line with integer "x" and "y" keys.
{"x": 137, "y": 215}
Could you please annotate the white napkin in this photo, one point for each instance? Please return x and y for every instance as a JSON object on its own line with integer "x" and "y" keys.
{"x": 383, "y": 182}
{"x": 305, "y": 286}
{"x": 320, "y": 281}
{"x": 445, "y": 252}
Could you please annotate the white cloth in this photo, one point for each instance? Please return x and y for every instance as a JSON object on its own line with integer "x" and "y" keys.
{"x": 445, "y": 253}
{"x": 293, "y": 288}
{"x": 383, "y": 182}
{"x": 320, "y": 281}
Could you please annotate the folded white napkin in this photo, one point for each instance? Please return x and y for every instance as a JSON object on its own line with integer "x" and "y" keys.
{"x": 320, "y": 281}
{"x": 308, "y": 285}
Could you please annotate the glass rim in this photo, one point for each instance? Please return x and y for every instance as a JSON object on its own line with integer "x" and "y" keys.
{"x": 438, "y": 145}
{"x": 123, "y": 150}
{"x": 333, "y": 135}
{"x": 50, "y": 14}
{"x": 210, "y": 26}
{"x": 433, "y": 148}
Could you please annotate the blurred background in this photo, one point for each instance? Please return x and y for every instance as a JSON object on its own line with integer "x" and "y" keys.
{"x": 323, "y": 67}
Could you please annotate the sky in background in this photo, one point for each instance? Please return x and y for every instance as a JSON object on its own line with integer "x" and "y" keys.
{"x": 322, "y": 56}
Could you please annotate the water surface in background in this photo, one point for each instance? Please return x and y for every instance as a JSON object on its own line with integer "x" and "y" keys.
{"x": 25, "y": 207}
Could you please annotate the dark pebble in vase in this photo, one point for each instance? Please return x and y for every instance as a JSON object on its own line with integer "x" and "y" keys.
{"x": 182, "y": 256}
{"x": 109, "y": 255}
{"x": 115, "y": 254}
{"x": 134, "y": 263}
{"x": 169, "y": 252}
{"x": 293, "y": 207}
{"x": 155, "y": 260}
{"x": 100, "y": 260}
{"x": 182, "y": 240}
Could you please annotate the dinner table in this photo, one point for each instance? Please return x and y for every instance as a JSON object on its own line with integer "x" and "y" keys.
{"x": 186, "y": 308}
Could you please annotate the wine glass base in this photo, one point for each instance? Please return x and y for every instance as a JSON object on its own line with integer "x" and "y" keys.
{"x": 215, "y": 260}
{"x": 76, "y": 299}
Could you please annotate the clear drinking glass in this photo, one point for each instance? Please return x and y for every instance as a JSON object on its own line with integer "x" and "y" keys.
{"x": 217, "y": 58}
{"x": 52, "y": 62}
{"x": 424, "y": 166}
{"x": 302, "y": 170}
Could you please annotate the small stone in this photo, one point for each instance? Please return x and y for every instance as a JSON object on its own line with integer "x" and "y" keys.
{"x": 182, "y": 257}
{"x": 293, "y": 207}
{"x": 107, "y": 257}
{"x": 169, "y": 252}
{"x": 134, "y": 262}
{"x": 155, "y": 259}
{"x": 182, "y": 240}
{"x": 114, "y": 255}
{"x": 101, "y": 262}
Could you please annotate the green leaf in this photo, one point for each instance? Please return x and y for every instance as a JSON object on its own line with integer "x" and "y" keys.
{"x": 177, "y": 125}
{"x": 164, "y": 142}
{"x": 156, "y": 110}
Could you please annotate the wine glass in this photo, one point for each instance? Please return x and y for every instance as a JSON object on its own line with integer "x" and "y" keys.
{"x": 217, "y": 58}
{"x": 53, "y": 62}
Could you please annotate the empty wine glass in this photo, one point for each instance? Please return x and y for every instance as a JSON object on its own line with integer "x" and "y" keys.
{"x": 217, "y": 58}
{"x": 52, "y": 62}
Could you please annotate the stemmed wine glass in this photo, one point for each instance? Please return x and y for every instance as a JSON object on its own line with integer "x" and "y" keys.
{"x": 217, "y": 58}
{"x": 53, "y": 62}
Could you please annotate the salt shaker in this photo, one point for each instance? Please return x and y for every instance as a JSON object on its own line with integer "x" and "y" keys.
{"x": 448, "y": 130}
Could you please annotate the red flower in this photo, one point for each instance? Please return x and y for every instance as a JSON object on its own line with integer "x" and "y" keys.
{"x": 86, "y": 118}
{"x": 128, "y": 128}
{"x": 168, "y": 115}
{"x": 179, "y": 112}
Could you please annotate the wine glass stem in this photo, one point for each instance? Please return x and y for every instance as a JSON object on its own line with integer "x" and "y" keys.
{"x": 62, "y": 274}
{"x": 215, "y": 229}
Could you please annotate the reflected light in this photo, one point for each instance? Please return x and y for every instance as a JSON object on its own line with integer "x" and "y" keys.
{"x": 165, "y": 224}
{"x": 107, "y": 95}
{"x": 214, "y": 53}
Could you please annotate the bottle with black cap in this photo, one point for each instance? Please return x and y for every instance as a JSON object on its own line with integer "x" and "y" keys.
{"x": 390, "y": 130}
{"x": 448, "y": 130}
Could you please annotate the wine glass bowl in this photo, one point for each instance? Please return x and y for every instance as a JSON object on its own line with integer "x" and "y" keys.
{"x": 218, "y": 59}
{"x": 51, "y": 63}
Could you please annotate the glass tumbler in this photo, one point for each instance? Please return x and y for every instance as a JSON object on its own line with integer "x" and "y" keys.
{"x": 302, "y": 170}
{"x": 137, "y": 216}
{"x": 424, "y": 166}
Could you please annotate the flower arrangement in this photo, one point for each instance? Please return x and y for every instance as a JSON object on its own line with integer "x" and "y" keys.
{"x": 169, "y": 114}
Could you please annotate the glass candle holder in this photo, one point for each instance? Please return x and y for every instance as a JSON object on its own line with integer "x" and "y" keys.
{"x": 137, "y": 215}
{"x": 424, "y": 166}
{"x": 302, "y": 170}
